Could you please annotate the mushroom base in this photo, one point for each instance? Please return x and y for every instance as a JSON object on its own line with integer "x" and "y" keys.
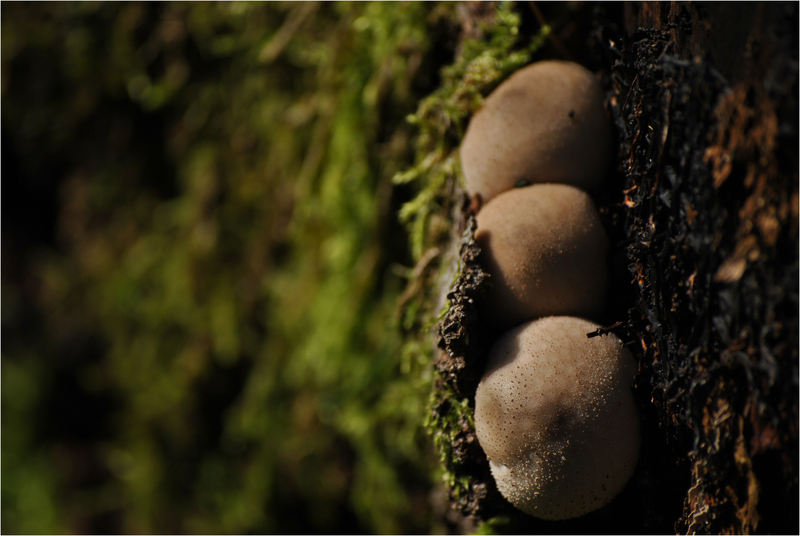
{"x": 561, "y": 478}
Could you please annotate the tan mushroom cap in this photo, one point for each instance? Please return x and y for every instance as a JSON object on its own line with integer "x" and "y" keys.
{"x": 546, "y": 250}
{"x": 546, "y": 123}
{"x": 556, "y": 417}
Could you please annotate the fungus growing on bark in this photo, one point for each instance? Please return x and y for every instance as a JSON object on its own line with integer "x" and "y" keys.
{"x": 545, "y": 247}
{"x": 546, "y": 123}
{"x": 556, "y": 417}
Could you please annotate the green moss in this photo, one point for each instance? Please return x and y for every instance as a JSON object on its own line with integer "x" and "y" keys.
{"x": 221, "y": 175}
{"x": 495, "y": 525}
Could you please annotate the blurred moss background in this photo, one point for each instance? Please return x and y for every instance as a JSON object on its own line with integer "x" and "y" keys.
{"x": 201, "y": 264}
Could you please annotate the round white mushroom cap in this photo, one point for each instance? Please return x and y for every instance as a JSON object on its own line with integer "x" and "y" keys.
{"x": 556, "y": 417}
{"x": 546, "y": 250}
{"x": 546, "y": 123}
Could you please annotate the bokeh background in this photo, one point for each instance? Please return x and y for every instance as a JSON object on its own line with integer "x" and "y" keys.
{"x": 201, "y": 265}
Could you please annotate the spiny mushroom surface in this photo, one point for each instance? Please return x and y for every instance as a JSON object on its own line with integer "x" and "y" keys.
{"x": 546, "y": 123}
{"x": 556, "y": 417}
{"x": 545, "y": 248}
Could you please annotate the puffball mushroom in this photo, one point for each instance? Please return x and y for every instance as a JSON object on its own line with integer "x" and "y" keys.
{"x": 556, "y": 417}
{"x": 545, "y": 248}
{"x": 546, "y": 123}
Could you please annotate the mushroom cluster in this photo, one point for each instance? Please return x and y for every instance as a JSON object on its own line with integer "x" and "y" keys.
{"x": 554, "y": 411}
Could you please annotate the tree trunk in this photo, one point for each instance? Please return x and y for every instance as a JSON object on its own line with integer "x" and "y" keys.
{"x": 704, "y": 215}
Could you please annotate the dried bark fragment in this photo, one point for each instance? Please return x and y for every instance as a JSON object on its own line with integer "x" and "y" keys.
{"x": 710, "y": 208}
{"x": 460, "y": 330}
